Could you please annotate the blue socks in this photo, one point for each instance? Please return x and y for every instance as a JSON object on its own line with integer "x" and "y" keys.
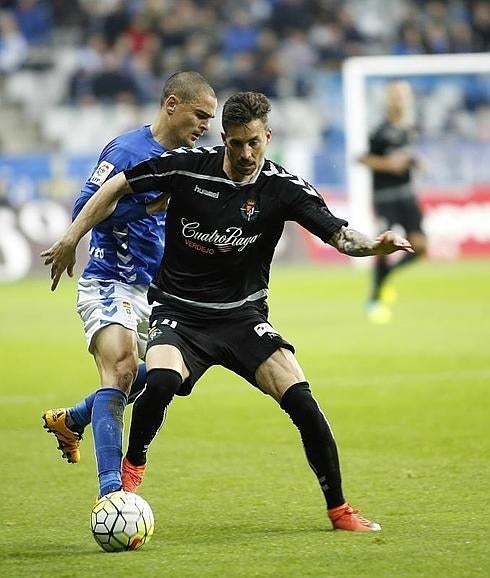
{"x": 81, "y": 414}
{"x": 107, "y": 427}
{"x": 105, "y": 409}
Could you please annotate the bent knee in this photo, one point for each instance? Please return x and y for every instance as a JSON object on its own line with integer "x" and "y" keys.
{"x": 118, "y": 372}
{"x": 163, "y": 383}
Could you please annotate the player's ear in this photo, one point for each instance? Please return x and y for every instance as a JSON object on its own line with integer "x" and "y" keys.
{"x": 268, "y": 134}
{"x": 171, "y": 103}
{"x": 223, "y": 137}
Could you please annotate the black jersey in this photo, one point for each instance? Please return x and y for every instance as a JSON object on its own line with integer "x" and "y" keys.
{"x": 221, "y": 235}
{"x": 389, "y": 138}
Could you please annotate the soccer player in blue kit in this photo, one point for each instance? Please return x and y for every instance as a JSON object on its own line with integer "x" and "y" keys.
{"x": 124, "y": 253}
{"x": 227, "y": 212}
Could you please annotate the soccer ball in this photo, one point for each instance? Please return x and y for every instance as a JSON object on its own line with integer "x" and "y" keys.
{"x": 122, "y": 521}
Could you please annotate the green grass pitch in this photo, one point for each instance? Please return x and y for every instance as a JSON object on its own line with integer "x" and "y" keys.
{"x": 228, "y": 481}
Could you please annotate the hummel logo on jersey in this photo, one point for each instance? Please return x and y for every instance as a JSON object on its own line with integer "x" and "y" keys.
{"x": 212, "y": 194}
{"x": 231, "y": 238}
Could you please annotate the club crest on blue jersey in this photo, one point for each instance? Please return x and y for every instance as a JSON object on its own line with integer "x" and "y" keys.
{"x": 249, "y": 210}
{"x": 128, "y": 308}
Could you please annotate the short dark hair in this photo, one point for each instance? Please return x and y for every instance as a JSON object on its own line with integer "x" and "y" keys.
{"x": 243, "y": 107}
{"x": 187, "y": 85}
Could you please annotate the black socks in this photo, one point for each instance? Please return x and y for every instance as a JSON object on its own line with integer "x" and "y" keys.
{"x": 149, "y": 411}
{"x": 317, "y": 438}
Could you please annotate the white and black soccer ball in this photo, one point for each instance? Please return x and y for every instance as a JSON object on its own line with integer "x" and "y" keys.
{"x": 122, "y": 521}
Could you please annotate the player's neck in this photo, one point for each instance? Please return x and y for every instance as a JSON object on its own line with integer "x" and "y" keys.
{"x": 162, "y": 135}
{"x": 239, "y": 179}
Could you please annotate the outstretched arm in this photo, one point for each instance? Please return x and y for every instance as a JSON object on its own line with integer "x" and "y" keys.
{"x": 61, "y": 255}
{"x": 355, "y": 244}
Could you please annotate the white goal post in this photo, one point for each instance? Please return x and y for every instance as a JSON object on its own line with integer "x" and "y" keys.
{"x": 355, "y": 74}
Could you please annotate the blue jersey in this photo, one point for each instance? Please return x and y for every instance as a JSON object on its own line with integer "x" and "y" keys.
{"x": 127, "y": 246}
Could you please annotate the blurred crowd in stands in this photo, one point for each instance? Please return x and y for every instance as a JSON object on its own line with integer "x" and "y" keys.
{"x": 74, "y": 73}
{"x": 123, "y": 49}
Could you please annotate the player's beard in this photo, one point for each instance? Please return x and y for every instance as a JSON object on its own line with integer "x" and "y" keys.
{"x": 248, "y": 170}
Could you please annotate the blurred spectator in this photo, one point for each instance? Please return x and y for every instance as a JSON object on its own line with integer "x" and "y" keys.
{"x": 461, "y": 38}
{"x": 332, "y": 48}
{"x": 215, "y": 70}
{"x": 298, "y": 60}
{"x": 13, "y": 45}
{"x": 289, "y": 14}
{"x": 480, "y": 23}
{"x": 90, "y": 56}
{"x": 68, "y": 15}
{"x": 4, "y": 187}
{"x": 267, "y": 45}
{"x": 144, "y": 71}
{"x": 109, "y": 17}
{"x": 138, "y": 33}
{"x": 271, "y": 45}
{"x": 268, "y": 64}
{"x": 89, "y": 60}
{"x": 195, "y": 49}
{"x": 34, "y": 21}
{"x": 110, "y": 84}
{"x": 240, "y": 34}
{"x": 355, "y": 41}
{"x": 410, "y": 41}
{"x": 436, "y": 39}
{"x": 436, "y": 12}
{"x": 242, "y": 72}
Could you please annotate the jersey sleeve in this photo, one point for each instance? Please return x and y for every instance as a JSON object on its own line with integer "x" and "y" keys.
{"x": 126, "y": 213}
{"x": 304, "y": 204}
{"x": 112, "y": 160}
{"x": 156, "y": 173}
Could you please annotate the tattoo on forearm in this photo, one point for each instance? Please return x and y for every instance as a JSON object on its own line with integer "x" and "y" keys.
{"x": 351, "y": 242}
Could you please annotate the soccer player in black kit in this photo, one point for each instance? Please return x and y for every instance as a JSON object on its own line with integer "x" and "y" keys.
{"x": 226, "y": 214}
{"x": 392, "y": 162}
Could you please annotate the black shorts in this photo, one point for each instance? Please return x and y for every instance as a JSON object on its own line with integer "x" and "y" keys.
{"x": 405, "y": 212}
{"x": 239, "y": 339}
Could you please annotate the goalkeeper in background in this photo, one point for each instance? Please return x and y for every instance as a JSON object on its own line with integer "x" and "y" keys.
{"x": 392, "y": 162}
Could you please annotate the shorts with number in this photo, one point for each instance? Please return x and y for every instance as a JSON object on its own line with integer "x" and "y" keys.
{"x": 239, "y": 340}
{"x": 103, "y": 303}
{"x": 405, "y": 212}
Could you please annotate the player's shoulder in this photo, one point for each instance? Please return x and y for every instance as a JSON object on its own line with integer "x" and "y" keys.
{"x": 192, "y": 152}
{"x": 122, "y": 152}
{"x": 128, "y": 137}
{"x": 279, "y": 177}
{"x": 135, "y": 140}
{"x": 131, "y": 147}
{"x": 195, "y": 158}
